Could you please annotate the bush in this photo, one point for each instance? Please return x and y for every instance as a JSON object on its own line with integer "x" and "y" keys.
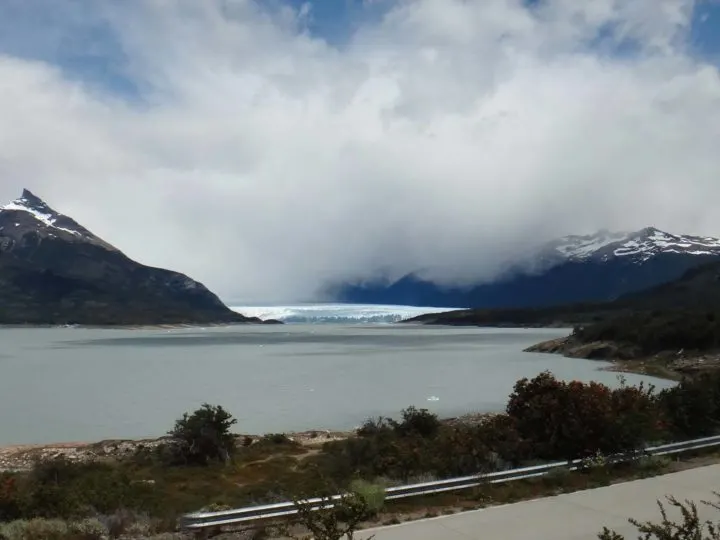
{"x": 373, "y": 494}
{"x": 63, "y": 489}
{"x": 651, "y": 465}
{"x": 10, "y": 503}
{"x": 204, "y": 436}
{"x": 374, "y": 426}
{"x": 35, "y": 529}
{"x": 337, "y": 519}
{"x": 575, "y": 420}
{"x": 276, "y": 439}
{"x": 88, "y": 529}
{"x": 690, "y": 528}
{"x": 127, "y": 523}
{"x": 419, "y": 422}
{"x": 417, "y": 445}
{"x": 501, "y": 436}
{"x": 692, "y": 407}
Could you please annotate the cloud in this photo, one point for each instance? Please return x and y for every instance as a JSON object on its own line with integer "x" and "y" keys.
{"x": 448, "y": 135}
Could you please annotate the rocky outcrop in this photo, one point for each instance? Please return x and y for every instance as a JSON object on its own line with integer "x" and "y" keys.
{"x": 667, "y": 364}
{"x": 596, "y": 350}
{"x": 55, "y": 271}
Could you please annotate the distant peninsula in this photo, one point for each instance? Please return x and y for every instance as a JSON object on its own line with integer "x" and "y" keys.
{"x": 54, "y": 271}
{"x": 669, "y": 330}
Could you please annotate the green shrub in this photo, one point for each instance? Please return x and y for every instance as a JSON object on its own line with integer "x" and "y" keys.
{"x": 63, "y": 489}
{"x": 204, "y": 436}
{"x": 337, "y": 519}
{"x": 35, "y": 529}
{"x": 419, "y": 422}
{"x": 557, "y": 477}
{"x": 651, "y": 465}
{"x": 373, "y": 494}
{"x": 692, "y": 407}
{"x": 408, "y": 451}
{"x": 374, "y": 426}
{"x": 127, "y": 523}
{"x": 276, "y": 439}
{"x": 501, "y": 437}
{"x": 690, "y": 526}
{"x": 88, "y": 529}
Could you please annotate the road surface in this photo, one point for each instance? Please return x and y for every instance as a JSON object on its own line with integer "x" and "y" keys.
{"x": 572, "y": 516}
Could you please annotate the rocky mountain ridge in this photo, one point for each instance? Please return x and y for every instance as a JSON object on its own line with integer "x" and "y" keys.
{"x": 55, "y": 271}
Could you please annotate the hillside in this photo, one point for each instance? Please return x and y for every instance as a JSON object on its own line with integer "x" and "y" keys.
{"x": 697, "y": 291}
{"x": 670, "y": 330}
{"x": 55, "y": 271}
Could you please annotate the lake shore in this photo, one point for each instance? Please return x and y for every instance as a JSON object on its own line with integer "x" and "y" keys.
{"x": 670, "y": 365}
{"x": 22, "y": 457}
{"x": 251, "y": 321}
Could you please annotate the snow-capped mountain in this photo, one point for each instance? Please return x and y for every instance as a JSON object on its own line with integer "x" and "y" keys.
{"x": 55, "y": 271}
{"x": 29, "y": 213}
{"x": 597, "y": 267}
{"x": 639, "y": 246}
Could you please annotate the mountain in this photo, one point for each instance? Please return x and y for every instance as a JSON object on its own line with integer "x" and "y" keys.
{"x": 696, "y": 294}
{"x": 55, "y": 271}
{"x": 593, "y": 268}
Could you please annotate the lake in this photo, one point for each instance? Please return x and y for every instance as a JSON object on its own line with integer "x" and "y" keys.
{"x": 75, "y": 384}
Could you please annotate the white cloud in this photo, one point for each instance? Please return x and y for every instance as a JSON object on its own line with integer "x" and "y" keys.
{"x": 450, "y": 136}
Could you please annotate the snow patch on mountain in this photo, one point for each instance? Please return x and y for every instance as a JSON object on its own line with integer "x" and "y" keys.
{"x": 48, "y": 219}
{"x": 39, "y": 210}
{"x": 30, "y": 214}
{"x": 640, "y": 246}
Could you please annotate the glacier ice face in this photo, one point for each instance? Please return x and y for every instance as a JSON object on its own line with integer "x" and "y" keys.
{"x": 336, "y": 313}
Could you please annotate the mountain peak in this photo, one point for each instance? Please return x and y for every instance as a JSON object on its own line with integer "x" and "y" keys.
{"x": 29, "y": 213}
{"x": 30, "y": 202}
{"x": 55, "y": 271}
{"x": 639, "y": 245}
{"x": 30, "y": 197}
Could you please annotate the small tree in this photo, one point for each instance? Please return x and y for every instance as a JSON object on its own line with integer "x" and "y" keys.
{"x": 417, "y": 422}
{"x": 337, "y": 517}
{"x": 692, "y": 407}
{"x": 334, "y": 520}
{"x": 204, "y": 436}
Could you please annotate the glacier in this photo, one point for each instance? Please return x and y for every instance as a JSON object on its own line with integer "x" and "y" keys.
{"x": 337, "y": 313}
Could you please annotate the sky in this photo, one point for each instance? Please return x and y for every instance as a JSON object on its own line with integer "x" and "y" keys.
{"x": 270, "y": 148}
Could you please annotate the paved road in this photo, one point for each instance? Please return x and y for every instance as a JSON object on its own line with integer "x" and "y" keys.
{"x": 573, "y": 516}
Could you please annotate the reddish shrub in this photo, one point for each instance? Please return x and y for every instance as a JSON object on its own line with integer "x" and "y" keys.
{"x": 572, "y": 420}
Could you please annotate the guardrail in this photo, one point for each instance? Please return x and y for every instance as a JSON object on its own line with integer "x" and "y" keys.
{"x": 203, "y": 520}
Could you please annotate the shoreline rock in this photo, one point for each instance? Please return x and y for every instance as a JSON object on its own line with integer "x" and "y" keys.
{"x": 596, "y": 350}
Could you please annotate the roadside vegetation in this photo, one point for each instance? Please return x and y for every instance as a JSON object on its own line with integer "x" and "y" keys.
{"x": 202, "y": 465}
{"x": 689, "y": 527}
